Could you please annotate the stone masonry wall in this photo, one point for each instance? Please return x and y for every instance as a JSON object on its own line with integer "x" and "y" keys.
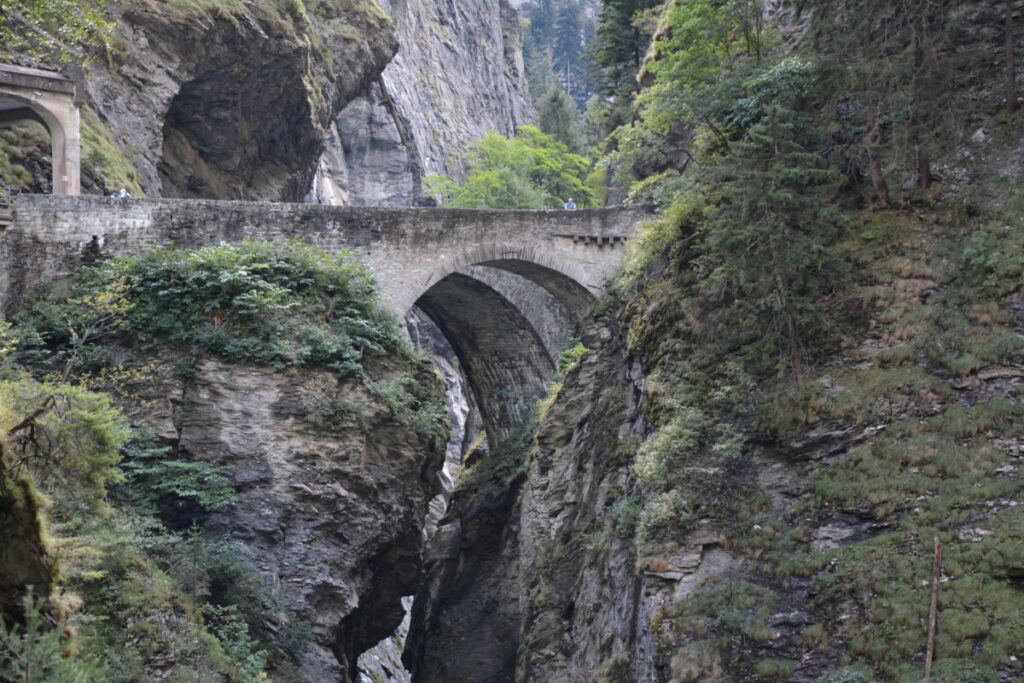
{"x": 408, "y": 249}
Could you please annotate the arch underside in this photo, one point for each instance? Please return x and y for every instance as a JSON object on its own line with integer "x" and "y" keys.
{"x": 17, "y": 108}
{"x": 571, "y": 294}
{"x": 505, "y": 361}
{"x": 507, "y": 321}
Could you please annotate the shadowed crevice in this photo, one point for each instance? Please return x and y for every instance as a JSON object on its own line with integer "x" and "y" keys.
{"x": 502, "y": 355}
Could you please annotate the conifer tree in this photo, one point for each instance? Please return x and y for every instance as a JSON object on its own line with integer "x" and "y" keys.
{"x": 616, "y": 53}
{"x": 559, "y": 118}
{"x": 767, "y": 241}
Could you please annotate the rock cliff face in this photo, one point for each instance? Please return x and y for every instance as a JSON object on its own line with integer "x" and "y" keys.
{"x": 284, "y": 101}
{"x": 231, "y": 100}
{"x": 513, "y": 588}
{"x": 805, "y": 554}
{"x": 458, "y": 74}
{"x": 333, "y": 491}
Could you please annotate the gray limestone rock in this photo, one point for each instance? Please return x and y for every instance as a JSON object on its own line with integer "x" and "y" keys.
{"x": 458, "y": 75}
{"x": 234, "y": 102}
{"x": 332, "y": 502}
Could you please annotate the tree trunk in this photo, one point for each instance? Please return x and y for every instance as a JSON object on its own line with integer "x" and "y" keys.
{"x": 922, "y": 97}
{"x": 791, "y": 326}
{"x": 924, "y": 166}
{"x": 933, "y": 611}
{"x": 1011, "y": 67}
{"x": 874, "y": 163}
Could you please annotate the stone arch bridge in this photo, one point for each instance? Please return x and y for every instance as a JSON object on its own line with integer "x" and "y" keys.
{"x": 503, "y": 286}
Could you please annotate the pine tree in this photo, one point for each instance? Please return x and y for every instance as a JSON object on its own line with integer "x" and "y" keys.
{"x": 767, "y": 242}
{"x": 559, "y": 118}
{"x": 893, "y": 57}
{"x": 568, "y": 45}
{"x": 616, "y": 53}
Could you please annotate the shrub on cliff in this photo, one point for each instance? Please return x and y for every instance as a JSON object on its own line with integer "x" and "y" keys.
{"x": 276, "y": 304}
{"x": 65, "y": 438}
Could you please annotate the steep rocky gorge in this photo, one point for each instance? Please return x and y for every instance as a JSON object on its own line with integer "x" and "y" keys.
{"x": 332, "y": 498}
{"x": 333, "y": 101}
{"x": 668, "y": 517}
{"x": 807, "y": 551}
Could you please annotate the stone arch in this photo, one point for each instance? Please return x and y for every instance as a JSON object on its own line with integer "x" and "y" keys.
{"x": 505, "y": 361}
{"x": 48, "y": 98}
{"x": 565, "y": 280}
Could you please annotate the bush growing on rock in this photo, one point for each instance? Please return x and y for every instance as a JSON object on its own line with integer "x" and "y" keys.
{"x": 276, "y": 304}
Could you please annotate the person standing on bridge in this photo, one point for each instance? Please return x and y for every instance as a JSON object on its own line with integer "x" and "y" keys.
{"x": 570, "y": 205}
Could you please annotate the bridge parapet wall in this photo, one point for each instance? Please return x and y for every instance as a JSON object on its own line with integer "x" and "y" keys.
{"x": 408, "y": 249}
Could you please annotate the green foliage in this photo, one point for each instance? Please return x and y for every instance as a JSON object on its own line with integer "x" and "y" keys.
{"x": 8, "y": 344}
{"x": 769, "y": 226}
{"x": 559, "y": 118}
{"x": 727, "y": 612}
{"x": 530, "y": 171}
{"x": 491, "y": 477}
{"x": 101, "y": 151}
{"x": 570, "y": 357}
{"x": 64, "y": 437}
{"x": 553, "y": 46}
{"x": 134, "y": 615}
{"x": 259, "y": 302}
{"x": 625, "y": 514}
{"x": 249, "y": 618}
{"x": 37, "y": 652}
{"x": 681, "y": 467}
{"x": 992, "y": 262}
{"x": 659, "y": 190}
{"x": 414, "y": 405}
{"x": 616, "y": 53}
{"x": 248, "y": 661}
{"x": 707, "y": 52}
{"x": 54, "y": 29}
{"x": 849, "y": 674}
{"x": 902, "y": 75}
{"x": 775, "y": 668}
{"x": 151, "y": 472}
{"x": 19, "y": 145}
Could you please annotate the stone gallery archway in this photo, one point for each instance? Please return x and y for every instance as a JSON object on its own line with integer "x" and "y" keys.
{"x": 49, "y": 98}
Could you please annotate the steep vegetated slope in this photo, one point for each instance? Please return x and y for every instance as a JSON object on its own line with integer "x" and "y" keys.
{"x": 811, "y": 371}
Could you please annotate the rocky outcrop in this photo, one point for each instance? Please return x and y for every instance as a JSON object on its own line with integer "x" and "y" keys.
{"x": 333, "y": 491}
{"x": 232, "y": 100}
{"x": 26, "y": 567}
{"x": 584, "y": 603}
{"x": 458, "y": 75}
{"x": 282, "y": 100}
{"x": 513, "y": 589}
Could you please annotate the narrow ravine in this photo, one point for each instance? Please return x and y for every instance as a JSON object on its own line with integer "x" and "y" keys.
{"x": 383, "y": 662}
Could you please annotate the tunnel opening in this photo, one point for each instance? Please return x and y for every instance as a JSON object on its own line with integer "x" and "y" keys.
{"x": 241, "y": 132}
